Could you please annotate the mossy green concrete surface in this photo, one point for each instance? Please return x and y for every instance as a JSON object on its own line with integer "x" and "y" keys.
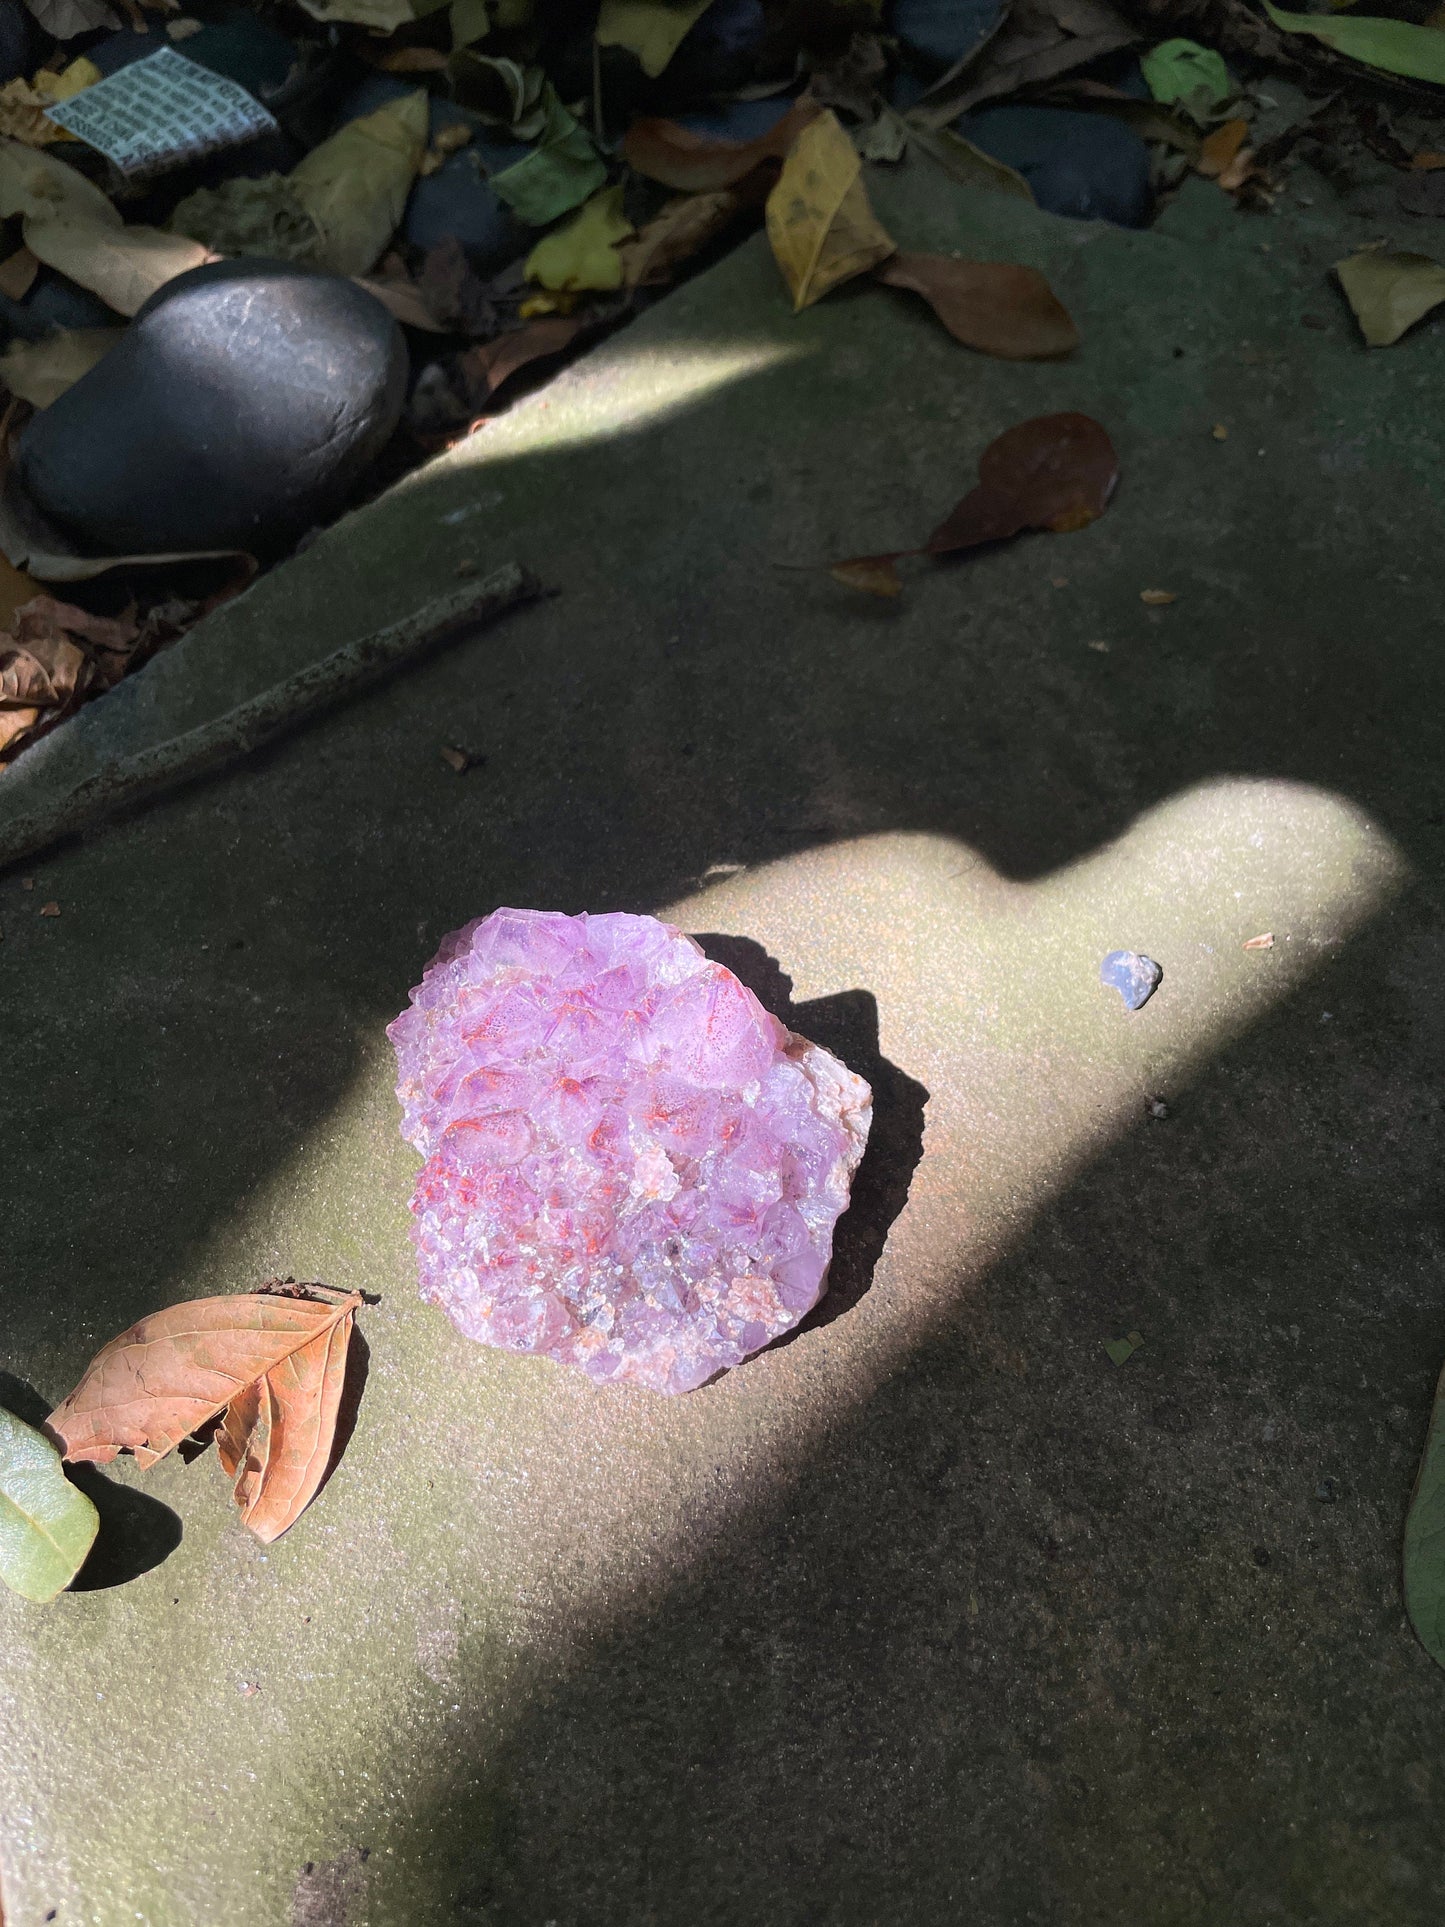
{"x": 933, "y": 1613}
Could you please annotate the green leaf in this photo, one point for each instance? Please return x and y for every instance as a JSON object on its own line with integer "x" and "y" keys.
{"x": 1390, "y": 292}
{"x": 1425, "y": 1539}
{"x": 1394, "y": 46}
{"x": 46, "y": 1523}
{"x": 1182, "y": 70}
{"x": 562, "y": 171}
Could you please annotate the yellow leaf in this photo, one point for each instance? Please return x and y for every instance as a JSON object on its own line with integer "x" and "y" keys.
{"x": 41, "y": 371}
{"x": 583, "y": 254}
{"x": 821, "y": 227}
{"x": 1390, "y": 292}
{"x": 354, "y": 186}
{"x": 80, "y": 74}
{"x": 651, "y": 29}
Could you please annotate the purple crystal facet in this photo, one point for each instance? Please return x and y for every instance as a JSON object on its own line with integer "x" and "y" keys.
{"x": 630, "y": 1165}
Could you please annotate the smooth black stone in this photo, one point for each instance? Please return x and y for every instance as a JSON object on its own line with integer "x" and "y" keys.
{"x": 245, "y": 403}
{"x": 1087, "y": 166}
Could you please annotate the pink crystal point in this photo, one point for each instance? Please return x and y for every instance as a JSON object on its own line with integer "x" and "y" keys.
{"x": 630, "y": 1165}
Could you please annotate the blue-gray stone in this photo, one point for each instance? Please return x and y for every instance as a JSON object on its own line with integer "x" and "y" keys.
{"x": 17, "y": 40}
{"x": 1135, "y": 978}
{"x": 1088, "y": 166}
{"x": 243, "y": 406}
{"x": 943, "y": 31}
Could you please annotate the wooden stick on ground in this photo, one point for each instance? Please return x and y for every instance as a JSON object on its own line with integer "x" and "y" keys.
{"x": 267, "y": 715}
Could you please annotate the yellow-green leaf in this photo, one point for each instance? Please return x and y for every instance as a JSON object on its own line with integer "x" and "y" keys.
{"x": 561, "y": 171}
{"x": 822, "y": 229}
{"x": 651, "y": 29}
{"x": 46, "y": 1524}
{"x": 1394, "y": 46}
{"x": 354, "y": 185}
{"x": 1390, "y": 292}
{"x": 583, "y": 254}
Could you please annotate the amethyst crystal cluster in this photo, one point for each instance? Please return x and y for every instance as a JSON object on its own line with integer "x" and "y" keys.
{"x": 630, "y": 1165}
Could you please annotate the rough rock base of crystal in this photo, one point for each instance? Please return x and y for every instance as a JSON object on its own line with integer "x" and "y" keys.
{"x": 630, "y": 1165}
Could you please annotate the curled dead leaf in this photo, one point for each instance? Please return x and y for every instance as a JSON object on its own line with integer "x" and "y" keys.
{"x": 270, "y": 1364}
{"x": 677, "y": 232}
{"x": 1265, "y": 942}
{"x": 1157, "y": 598}
{"x": 994, "y": 306}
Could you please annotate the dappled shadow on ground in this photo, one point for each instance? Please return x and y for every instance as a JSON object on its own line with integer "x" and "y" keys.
{"x": 1006, "y": 1641}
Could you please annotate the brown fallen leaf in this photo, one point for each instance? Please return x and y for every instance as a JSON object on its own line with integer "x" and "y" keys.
{"x": 875, "y": 574}
{"x": 1157, "y": 598}
{"x": 276, "y": 1436}
{"x": 1219, "y": 150}
{"x": 1266, "y": 942}
{"x": 822, "y": 230}
{"x": 1426, "y": 161}
{"x": 1220, "y": 432}
{"x": 677, "y": 232}
{"x": 1055, "y": 472}
{"x": 17, "y": 274}
{"x": 490, "y": 363}
{"x": 50, "y": 909}
{"x": 1240, "y": 171}
{"x": 666, "y": 152}
{"x": 171, "y": 1373}
{"x": 995, "y": 306}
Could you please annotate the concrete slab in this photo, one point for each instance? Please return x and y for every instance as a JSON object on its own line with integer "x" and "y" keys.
{"x": 932, "y": 1612}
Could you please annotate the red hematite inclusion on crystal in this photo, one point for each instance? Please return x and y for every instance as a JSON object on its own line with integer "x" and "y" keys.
{"x": 630, "y": 1165}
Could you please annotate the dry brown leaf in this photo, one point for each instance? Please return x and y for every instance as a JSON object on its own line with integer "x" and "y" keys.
{"x": 874, "y": 574}
{"x": 276, "y": 1436}
{"x": 17, "y": 274}
{"x": 1055, "y": 472}
{"x": 1266, "y": 942}
{"x": 1157, "y": 598}
{"x": 1426, "y": 161}
{"x": 490, "y": 363}
{"x": 1219, "y": 150}
{"x": 49, "y": 672}
{"x": 175, "y": 1371}
{"x": 822, "y": 230}
{"x": 994, "y": 306}
{"x": 674, "y": 155}
{"x": 677, "y": 232}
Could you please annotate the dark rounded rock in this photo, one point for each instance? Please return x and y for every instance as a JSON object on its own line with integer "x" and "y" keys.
{"x": 1087, "y": 166}
{"x": 940, "y": 32}
{"x": 17, "y": 40}
{"x": 53, "y": 302}
{"x": 245, "y": 403}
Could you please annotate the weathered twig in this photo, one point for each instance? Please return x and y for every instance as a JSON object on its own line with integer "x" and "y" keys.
{"x": 263, "y": 717}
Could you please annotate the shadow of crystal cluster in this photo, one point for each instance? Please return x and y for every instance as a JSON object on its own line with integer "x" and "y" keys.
{"x": 631, "y": 1166}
